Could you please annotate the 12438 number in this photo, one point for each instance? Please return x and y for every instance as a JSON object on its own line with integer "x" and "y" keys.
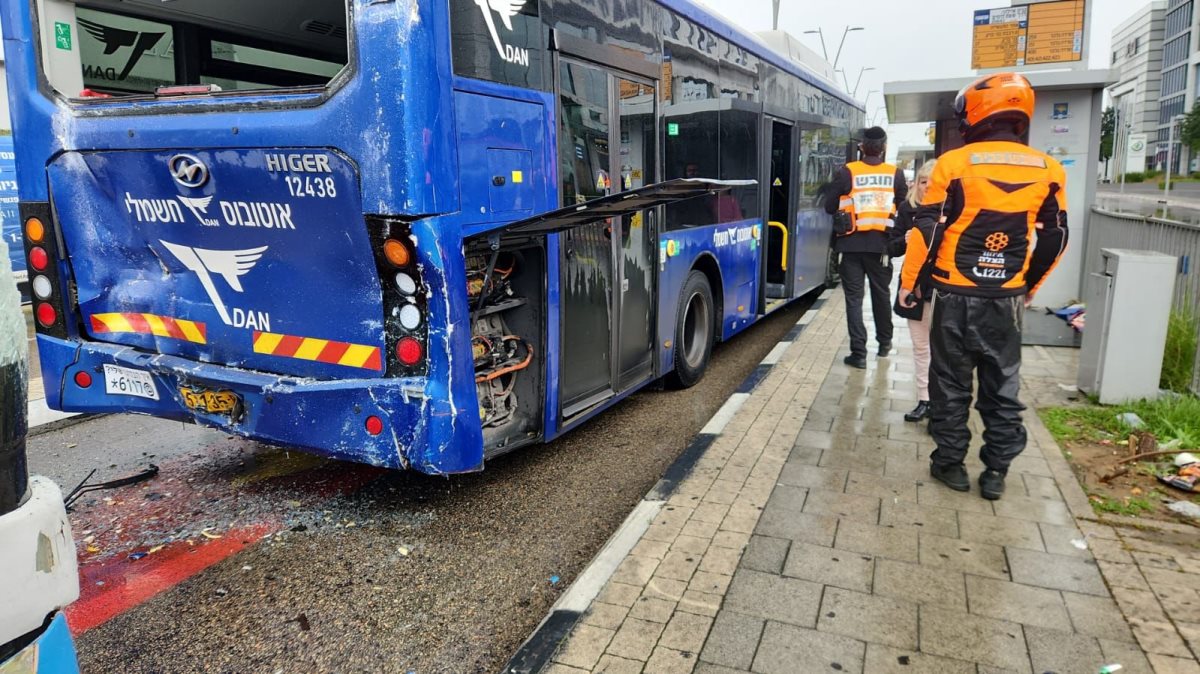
{"x": 308, "y": 186}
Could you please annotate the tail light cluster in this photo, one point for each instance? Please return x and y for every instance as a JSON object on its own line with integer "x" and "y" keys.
{"x": 405, "y": 298}
{"x": 42, "y": 257}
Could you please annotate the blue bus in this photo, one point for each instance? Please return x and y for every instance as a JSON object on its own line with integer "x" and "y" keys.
{"x": 415, "y": 235}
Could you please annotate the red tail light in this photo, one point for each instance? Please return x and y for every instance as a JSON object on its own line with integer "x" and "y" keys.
{"x": 409, "y": 351}
{"x": 374, "y": 425}
{"x": 38, "y": 259}
{"x": 46, "y": 315}
{"x": 83, "y": 379}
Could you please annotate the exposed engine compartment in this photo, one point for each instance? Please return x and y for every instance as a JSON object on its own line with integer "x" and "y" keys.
{"x": 505, "y": 291}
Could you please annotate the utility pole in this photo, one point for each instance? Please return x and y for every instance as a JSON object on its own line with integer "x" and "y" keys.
{"x": 846, "y": 32}
{"x": 859, "y": 80}
{"x": 1170, "y": 157}
{"x": 824, "y": 52}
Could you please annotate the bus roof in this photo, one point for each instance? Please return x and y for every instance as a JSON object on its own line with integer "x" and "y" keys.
{"x": 718, "y": 24}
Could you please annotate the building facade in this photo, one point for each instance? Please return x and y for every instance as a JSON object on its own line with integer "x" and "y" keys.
{"x": 1178, "y": 84}
{"x": 1137, "y": 58}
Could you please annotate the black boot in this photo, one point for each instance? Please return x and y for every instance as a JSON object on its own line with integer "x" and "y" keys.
{"x": 953, "y": 476}
{"x": 919, "y": 412}
{"x": 857, "y": 361}
{"x": 991, "y": 484}
{"x": 885, "y": 349}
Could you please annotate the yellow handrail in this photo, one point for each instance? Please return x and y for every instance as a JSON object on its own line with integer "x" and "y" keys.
{"x": 783, "y": 253}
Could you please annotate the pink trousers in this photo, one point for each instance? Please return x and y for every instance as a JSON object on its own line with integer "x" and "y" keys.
{"x": 919, "y": 330}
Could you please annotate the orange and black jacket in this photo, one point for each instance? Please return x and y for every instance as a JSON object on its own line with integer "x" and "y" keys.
{"x": 995, "y": 213}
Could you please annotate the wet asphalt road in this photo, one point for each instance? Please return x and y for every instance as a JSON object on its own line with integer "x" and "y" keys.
{"x": 371, "y": 571}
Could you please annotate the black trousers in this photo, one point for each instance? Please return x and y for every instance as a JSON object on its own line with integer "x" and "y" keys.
{"x": 856, "y": 269}
{"x": 976, "y": 336}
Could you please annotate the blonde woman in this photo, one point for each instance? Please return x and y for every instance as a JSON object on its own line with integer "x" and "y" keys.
{"x": 920, "y": 316}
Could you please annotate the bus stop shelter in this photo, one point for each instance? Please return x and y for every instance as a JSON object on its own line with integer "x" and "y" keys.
{"x": 1066, "y": 125}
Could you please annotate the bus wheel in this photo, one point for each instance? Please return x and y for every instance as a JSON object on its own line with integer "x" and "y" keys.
{"x": 694, "y": 331}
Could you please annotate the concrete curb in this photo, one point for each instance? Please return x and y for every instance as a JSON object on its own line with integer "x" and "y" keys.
{"x": 534, "y": 655}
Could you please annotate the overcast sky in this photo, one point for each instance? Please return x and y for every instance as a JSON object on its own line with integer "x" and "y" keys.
{"x": 913, "y": 40}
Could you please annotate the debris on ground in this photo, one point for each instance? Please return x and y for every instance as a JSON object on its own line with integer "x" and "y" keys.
{"x": 1186, "y": 475}
{"x": 1074, "y": 314}
{"x": 1131, "y": 420}
{"x": 83, "y": 487}
{"x": 1185, "y": 508}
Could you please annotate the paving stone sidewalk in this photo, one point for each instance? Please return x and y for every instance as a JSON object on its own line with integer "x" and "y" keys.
{"x": 810, "y": 538}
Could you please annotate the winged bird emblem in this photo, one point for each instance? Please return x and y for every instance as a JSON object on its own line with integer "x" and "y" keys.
{"x": 229, "y": 264}
{"x": 199, "y": 208}
{"x": 115, "y": 38}
{"x": 507, "y": 9}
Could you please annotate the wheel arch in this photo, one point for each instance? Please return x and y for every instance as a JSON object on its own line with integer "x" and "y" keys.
{"x": 706, "y": 264}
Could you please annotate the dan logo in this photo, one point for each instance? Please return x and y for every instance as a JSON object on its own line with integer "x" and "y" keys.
{"x": 199, "y": 208}
{"x": 188, "y": 170}
{"x": 114, "y": 39}
{"x": 507, "y": 9}
{"x": 228, "y": 264}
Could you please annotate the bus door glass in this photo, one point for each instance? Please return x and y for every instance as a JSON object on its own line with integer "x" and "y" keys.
{"x": 637, "y": 158}
{"x": 606, "y": 146}
{"x": 780, "y": 232}
{"x": 585, "y": 171}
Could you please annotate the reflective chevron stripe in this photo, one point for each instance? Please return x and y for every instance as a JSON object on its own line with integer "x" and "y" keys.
{"x": 318, "y": 350}
{"x": 150, "y": 324}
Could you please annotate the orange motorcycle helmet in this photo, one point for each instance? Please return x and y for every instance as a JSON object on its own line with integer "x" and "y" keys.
{"x": 992, "y": 98}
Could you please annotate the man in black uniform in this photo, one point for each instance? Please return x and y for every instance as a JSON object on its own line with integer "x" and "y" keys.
{"x": 863, "y": 201}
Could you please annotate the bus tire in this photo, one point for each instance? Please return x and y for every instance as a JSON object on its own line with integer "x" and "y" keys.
{"x": 832, "y": 278}
{"x": 695, "y": 330}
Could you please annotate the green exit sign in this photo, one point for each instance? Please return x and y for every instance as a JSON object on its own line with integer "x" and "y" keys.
{"x": 62, "y": 35}
{"x": 672, "y": 129}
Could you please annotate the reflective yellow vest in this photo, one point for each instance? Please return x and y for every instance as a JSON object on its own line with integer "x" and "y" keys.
{"x": 872, "y": 199}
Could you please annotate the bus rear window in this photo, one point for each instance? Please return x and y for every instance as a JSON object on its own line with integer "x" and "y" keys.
{"x": 136, "y": 47}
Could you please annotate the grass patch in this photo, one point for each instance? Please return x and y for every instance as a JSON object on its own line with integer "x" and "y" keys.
{"x": 1129, "y": 507}
{"x": 1170, "y": 418}
{"x": 1179, "y": 357}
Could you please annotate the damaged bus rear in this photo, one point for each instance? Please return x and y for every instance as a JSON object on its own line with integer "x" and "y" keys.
{"x": 411, "y": 233}
{"x": 225, "y": 208}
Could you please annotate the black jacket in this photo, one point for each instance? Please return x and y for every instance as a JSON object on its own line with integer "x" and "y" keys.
{"x": 861, "y": 242}
{"x": 897, "y": 244}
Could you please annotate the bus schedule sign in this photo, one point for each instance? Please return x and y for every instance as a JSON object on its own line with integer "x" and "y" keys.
{"x": 1039, "y": 33}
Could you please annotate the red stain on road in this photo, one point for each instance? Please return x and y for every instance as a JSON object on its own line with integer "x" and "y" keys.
{"x": 138, "y": 541}
{"x": 108, "y": 590}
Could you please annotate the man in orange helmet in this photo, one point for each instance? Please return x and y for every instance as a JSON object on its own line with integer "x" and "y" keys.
{"x": 991, "y": 227}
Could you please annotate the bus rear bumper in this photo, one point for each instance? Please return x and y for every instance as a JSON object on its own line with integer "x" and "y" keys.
{"x": 329, "y": 418}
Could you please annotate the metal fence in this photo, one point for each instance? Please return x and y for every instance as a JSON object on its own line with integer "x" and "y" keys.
{"x": 1111, "y": 229}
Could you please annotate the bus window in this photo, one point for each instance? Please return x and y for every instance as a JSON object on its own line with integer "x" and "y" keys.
{"x": 268, "y": 44}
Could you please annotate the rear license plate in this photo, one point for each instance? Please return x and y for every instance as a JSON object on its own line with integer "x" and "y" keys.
{"x": 209, "y": 401}
{"x": 122, "y": 381}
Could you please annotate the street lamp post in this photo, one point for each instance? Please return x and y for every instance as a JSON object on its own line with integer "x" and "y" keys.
{"x": 1170, "y": 155}
{"x": 821, "y": 35}
{"x": 868, "y": 98}
{"x": 859, "y": 80}
{"x": 846, "y": 32}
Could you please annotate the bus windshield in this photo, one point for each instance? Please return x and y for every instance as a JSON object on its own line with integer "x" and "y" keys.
{"x": 143, "y": 47}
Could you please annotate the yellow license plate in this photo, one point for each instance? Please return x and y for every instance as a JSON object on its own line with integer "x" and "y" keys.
{"x": 211, "y": 402}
